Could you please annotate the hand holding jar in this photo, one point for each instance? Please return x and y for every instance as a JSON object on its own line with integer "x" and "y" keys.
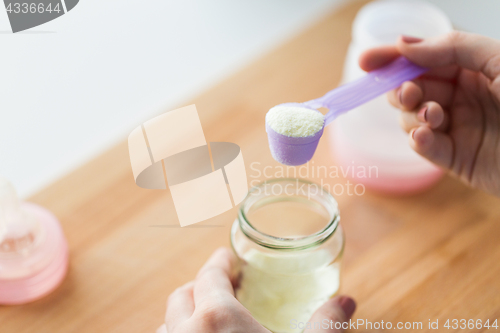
{"x": 208, "y": 303}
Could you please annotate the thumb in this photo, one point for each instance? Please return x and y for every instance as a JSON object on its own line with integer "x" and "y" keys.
{"x": 333, "y": 316}
{"x": 474, "y": 52}
{"x": 162, "y": 329}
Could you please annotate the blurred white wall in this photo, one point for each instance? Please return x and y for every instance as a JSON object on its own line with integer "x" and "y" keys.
{"x": 73, "y": 87}
{"x": 478, "y": 16}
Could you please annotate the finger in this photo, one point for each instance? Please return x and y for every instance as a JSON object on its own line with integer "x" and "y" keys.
{"x": 445, "y": 73}
{"x": 380, "y": 56}
{"x": 433, "y": 115}
{"x": 429, "y": 113}
{"x": 180, "y": 306}
{"x": 162, "y": 329}
{"x": 335, "y": 311}
{"x": 214, "y": 278}
{"x": 408, "y": 121}
{"x": 434, "y": 145}
{"x": 474, "y": 52}
{"x": 223, "y": 258}
{"x": 377, "y": 57}
{"x": 413, "y": 93}
{"x": 439, "y": 91}
{"x": 407, "y": 97}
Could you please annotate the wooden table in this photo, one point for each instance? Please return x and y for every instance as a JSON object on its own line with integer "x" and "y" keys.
{"x": 430, "y": 256}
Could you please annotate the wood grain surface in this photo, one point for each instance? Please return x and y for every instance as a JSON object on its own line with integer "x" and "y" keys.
{"x": 434, "y": 255}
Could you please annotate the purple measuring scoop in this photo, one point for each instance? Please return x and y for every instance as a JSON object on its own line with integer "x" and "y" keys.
{"x": 299, "y": 150}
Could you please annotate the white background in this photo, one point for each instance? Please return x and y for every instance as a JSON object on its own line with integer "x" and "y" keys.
{"x": 73, "y": 87}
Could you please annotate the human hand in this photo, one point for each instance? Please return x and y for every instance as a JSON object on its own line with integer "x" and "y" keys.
{"x": 208, "y": 304}
{"x": 452, "y": 112}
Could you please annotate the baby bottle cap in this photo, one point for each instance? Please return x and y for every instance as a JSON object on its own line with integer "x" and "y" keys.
{"x": 14, "y": 223}
{"x": 33, "y": 250}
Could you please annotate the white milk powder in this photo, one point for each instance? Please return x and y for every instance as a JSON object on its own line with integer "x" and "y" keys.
{"x": 294, "y": 121}
{"x": 281, "y": 289}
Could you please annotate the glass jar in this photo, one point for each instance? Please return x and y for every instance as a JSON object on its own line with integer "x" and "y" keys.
{"x": 289, "y": 243}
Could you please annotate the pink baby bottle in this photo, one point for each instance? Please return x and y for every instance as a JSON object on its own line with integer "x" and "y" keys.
{"x": 367, "y": 142}
{"x": 33, "y": 250}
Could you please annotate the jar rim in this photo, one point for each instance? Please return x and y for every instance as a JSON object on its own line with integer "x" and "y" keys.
{"x": 288, "y": 243}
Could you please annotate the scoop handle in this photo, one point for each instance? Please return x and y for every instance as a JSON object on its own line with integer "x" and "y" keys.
{"x": 362, "y": 90}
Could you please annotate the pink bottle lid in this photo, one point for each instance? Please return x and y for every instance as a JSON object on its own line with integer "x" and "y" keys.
{"x": 33, "y": 249}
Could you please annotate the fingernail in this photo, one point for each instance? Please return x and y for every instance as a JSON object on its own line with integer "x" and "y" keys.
{"x": 412, "y": 133}
{"x": 410, "y": 39}
{"x": 422, "y": 114}
{"x": 348, "y": 305}
{"x": 400, "y": 95}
